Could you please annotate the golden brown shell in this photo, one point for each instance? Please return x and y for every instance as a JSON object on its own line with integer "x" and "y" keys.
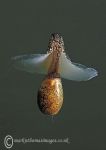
{"x": 50, "y": 96}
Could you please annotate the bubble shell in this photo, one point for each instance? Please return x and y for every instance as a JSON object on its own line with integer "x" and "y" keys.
{"x": 50, "y": 96}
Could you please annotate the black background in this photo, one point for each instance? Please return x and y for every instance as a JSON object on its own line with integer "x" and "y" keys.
{"x": 25, "y": 27}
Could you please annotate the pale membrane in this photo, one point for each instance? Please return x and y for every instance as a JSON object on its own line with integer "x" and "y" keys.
{"x": 33, "y": 63}
{"x": 75, "y": 71}
{"x": 40, "y": 63}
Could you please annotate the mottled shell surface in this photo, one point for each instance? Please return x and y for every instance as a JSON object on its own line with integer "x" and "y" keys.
{"x": 50, "y": 96}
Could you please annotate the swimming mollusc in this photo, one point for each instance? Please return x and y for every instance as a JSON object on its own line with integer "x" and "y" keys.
{"x": 55, "y": 65}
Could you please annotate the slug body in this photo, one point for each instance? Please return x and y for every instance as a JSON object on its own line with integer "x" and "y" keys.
{"x": 54, "y": 64}
{"x": 50, "y": 94}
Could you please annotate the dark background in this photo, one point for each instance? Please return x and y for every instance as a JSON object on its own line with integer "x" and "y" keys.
{"x": 25, "y": 27}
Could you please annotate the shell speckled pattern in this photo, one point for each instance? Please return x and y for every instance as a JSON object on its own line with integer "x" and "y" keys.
{"x": 50, "y": 96}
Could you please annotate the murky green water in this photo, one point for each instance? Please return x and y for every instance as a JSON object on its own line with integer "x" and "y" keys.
{"x": 25, "y": 28}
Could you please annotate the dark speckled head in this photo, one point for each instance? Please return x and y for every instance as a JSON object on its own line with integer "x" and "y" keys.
{"x": 56, "y": 40}
{"x": 56, "y": 37}
{"x": 55, "y": 48}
